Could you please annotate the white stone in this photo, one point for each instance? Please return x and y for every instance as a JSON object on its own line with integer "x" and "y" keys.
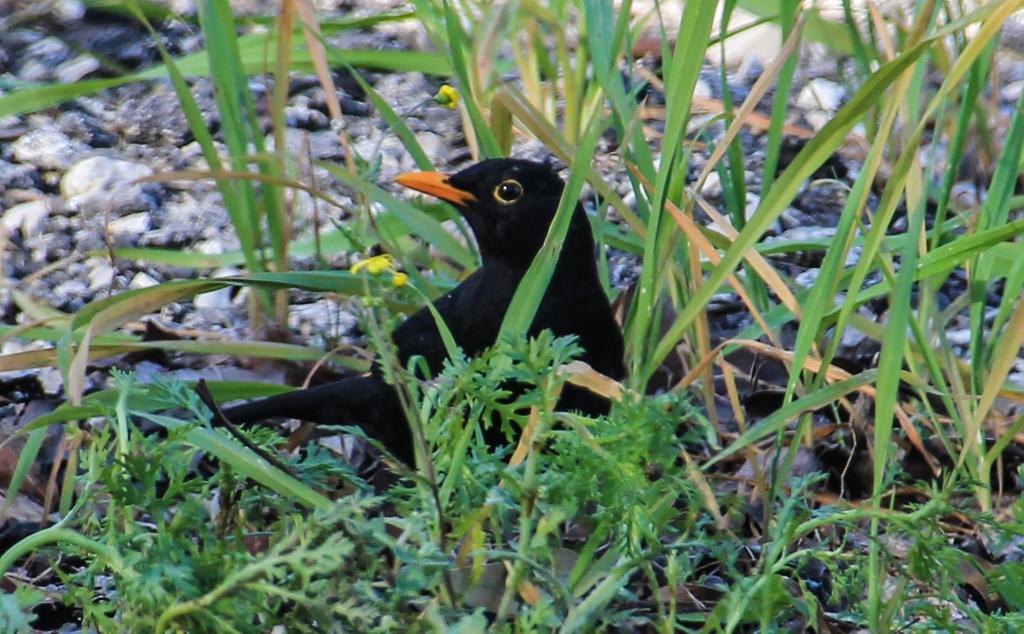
{"x": 100, "y": 173}
{"x": 820, "y": 94}
{"x": 817, "y": 119}
{"x": 762, "y": 43}
{"x": 965, "y": 194}
{"x": 702, "y": 90}
{"x": 219, "y": 299}
{"x": 712, "y": 187}
{"x": 47, "y": 148}
{"x": 75, "y": 69}
{"x": 851, "y": 337}
{"x": 184, "y": 7}
{"x": 853, "y": 257}
{"x": 210, "y": 247}
{"x": 137, "y": 224}
{"x": 51, "y": 380}
{"x": 753, "y": 203}
{"x": 28, "y": 217}
{"x": 806, "y": 279}
{"x": 101, "y": 276}
{"x": 104, "y": 185}
{"x": 1012, "y": 90}
{"x": 143, "y": 280}
{"x": 432, "y": 144}
{"x": 959, "y": 337}
{"x": 68, "y": 10}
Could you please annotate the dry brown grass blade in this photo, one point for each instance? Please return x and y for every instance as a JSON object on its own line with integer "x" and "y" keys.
{"x": 198, "y": 175}
{"x": 525, "y": 439}
{"x": 317, "y": 54}
{"x": 756, "y": 121}
{"x": 883, "y": 32}
{"x": 698, "y": 239}
{"x": 16, "y": 331}
{"x": 765, "y": 270}
{"x": 758, "y": 90}
{"x": 580, "y": 373}
{"x": 693, "y": 472}
{"x": 47, "y": 357}
{"x": 834, "y": 374}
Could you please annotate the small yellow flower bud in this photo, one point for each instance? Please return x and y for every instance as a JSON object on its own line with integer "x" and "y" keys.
{"x": 374, "y": 266}
{"x": 398, "y": 280}
{"x": 447, "y": 96}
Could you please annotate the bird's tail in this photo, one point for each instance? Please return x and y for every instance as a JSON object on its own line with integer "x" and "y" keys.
{"x": 364, "y": 401}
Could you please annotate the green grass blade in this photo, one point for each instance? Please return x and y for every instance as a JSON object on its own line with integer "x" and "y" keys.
{"x": 247, "y": 463}
{"x": 414, "y": 219}
{"x": 810, "y": 158}
{"x": 458, "y": 42}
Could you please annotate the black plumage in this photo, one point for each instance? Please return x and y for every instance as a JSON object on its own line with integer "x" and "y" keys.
{"x": 509, "y": 205}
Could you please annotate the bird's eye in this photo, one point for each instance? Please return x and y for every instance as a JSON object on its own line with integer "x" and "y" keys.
{"x": 508, "y": 191}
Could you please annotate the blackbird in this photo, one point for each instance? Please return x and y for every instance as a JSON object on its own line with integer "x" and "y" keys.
{"x": 509, "y": 204}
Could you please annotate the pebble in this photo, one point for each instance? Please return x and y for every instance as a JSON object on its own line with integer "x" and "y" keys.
{"x": 813, "y": 232}
{"x": 184, "y": 7}
{"x": 219, "y": 299}
{"x": 18, "y": 176}
{"x": 50, "y": 379}
{"x": 68, "y": 10}
{"x": 153, "y": 117}
{"x": 143, "y": 280}
{"x": 712, "y": 186}
{"x": 137, "y": 224}
{"x": 432, "y": 144}
{"x": 26, "y": 217}
{"x": 817, "y": 119}
{"x": 75, "y": 69}
{"x": 820, "y": 94}
{"x": 101, "y": 276}
{"x": 42, "y": 57}
{"x": 70, "y": 293}
{"x": 320, "y": 317}
{"x": 322, "y": 146}
{"x": 83, "y": 127}
{"x": 47, "y": 148}
{"x": 851, "y": 338}
{"x": 1012, "y": 90}
{"x": 806, "y": 279}
{"x": 210, "y": 247}
{"x": 101, "y": 184}
{"x": 703, "y": 89}
{"x": 306, "y": 118}
{"x": 853, "y": 257}
{"x": 792, "y": 218}
{"x": 965, "y": 194}
{"x": 960, "y": 337}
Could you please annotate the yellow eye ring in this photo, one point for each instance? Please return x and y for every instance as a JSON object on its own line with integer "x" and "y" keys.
{"x": 508, "y": 191}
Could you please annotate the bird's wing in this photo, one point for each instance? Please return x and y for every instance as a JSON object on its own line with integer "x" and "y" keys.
{"x": 418, "y": 335}
{"x": 367, "y": 402}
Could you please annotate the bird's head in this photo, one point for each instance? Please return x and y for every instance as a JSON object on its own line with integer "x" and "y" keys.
{"x": 509, "y": 204}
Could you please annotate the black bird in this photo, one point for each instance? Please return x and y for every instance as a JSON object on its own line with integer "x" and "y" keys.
{"x": 509, "y": 204}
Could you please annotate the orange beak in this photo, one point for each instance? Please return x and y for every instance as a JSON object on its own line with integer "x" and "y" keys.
{"x": 435, "y": 184}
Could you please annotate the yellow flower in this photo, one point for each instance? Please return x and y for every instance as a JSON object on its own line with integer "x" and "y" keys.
{"x": 448, "y": 97}
{"x": 398, "y": 280}
{"x": 374, "y": 266}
